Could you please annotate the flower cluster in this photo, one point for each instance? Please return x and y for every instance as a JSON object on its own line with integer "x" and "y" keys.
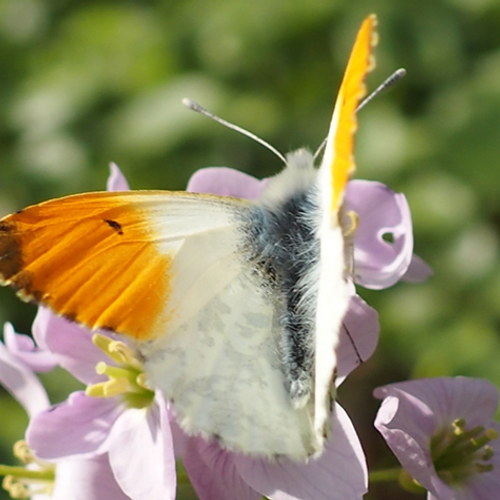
{"x": 118, "y": 438}
{"x": 442, "y": 432}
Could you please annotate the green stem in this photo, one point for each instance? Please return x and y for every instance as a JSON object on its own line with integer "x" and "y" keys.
{"x": 22, "y": 472}
{"x": 384, "y": 476}
{"x": 182, "y": 478}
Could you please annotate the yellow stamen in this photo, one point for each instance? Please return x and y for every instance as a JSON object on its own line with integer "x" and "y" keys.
{"x": 126, "y": 354}
{"x": 104, "y": 343}
{"x": 354, "y": 220}
{"x": 125, "y": 380}
{"x": 142, "y": 381}
{"x": 23, "y": 452}
{"x": 15, "y": 488}
{"x": 115, "y": 372}
{"x": 115, "y": 387}
{"x": 109, "y": 389}
{"x": 459, "y": 453}
{"x": 96, "y": 390}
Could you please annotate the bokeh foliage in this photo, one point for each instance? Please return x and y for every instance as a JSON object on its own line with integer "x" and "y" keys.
{"x": 86, "y": 83}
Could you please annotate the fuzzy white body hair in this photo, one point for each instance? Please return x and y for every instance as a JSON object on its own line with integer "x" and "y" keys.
{"x": 291, "y": 201}
{"x": 297, "y": 176}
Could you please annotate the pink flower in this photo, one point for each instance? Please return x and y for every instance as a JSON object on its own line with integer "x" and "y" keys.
{"x": 441, "y": 430}
{"x": 66, "y": 479}
{"x": 137, "y": 441}
{"x": 379, "y": 263}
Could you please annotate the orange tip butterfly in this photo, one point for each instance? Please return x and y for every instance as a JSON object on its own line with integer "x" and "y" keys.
{"x": 235, "y": 306}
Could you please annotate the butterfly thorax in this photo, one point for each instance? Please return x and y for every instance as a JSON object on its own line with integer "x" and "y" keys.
{"x": 282, "y": 245}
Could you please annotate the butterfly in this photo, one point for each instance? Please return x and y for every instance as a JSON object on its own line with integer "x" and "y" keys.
{"x": 235, "y": 306}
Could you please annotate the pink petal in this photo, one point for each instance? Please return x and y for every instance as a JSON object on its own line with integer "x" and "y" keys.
{"x": 226, "y": 182}
{"x": 358, "y": 337}
{"x": 213, "y": 473}
{"x": 21, "y": 382}
{"x": 70, "y": 344}
{"x": 418, "y": 270}
{"x": 116, "y": 180}
{"x": 378, "y": 263}
{"x": 78, "y": 426}
{"x": 23, "y": 347}
{"x": 179, "y": 437}
{"x": 407, "y": 426}
{"x": 340, "y": 473}
{"x": 141, "y": 453}
{"x": 86, "y": 479}
{"x": 449, "y": 398}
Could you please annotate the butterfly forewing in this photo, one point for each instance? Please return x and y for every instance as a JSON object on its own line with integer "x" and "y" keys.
{"x": 336, "y": 168}
{"x": 108, "y": 260}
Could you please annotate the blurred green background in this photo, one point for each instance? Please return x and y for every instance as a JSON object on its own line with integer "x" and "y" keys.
{"x": 86, "y": 83}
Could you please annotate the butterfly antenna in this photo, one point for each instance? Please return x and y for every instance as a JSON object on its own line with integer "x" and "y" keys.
{"x": 200, "y": 109}
{"x": 388, "y": 82}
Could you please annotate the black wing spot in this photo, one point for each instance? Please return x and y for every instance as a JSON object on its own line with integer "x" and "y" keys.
{"x": 114, "y": 225}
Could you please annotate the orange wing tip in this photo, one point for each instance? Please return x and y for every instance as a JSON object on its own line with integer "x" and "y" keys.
{"x": 70, "y": 267}
{"x": 344, "y": 122}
